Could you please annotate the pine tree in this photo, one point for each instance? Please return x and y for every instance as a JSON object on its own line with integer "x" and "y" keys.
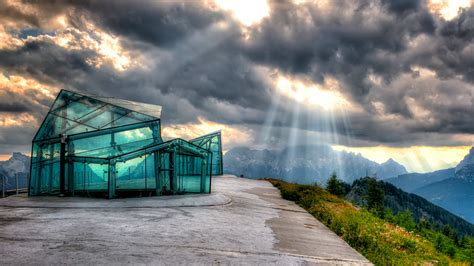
{"x": 405, "y": 220}
{"x": 424, "y": 223}
{"x": 334, "y": 186}
{"x": 375, "y": 197}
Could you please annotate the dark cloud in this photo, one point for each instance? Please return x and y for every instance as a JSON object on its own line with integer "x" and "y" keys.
{"x": 160, "y": 23}
{"x": 402, "y": 6}
{"x": 47, "y": 62}
{"x": 455, "y": 52}
{"x": 11, "y": 102}
{"x": 369, "y": 38}
{"x": 196, "y": 67}
{"x": 302, "y": 39}
{"x": 199, "y": 87}
{"x": 16, "y": 138}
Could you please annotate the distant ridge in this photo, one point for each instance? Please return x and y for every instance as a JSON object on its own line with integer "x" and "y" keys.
{"x": 413, "y": 181}
{"x": 452, "y": 189}
{"x": 306, "y": 164}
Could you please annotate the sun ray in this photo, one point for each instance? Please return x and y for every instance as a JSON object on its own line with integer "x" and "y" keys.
{"x": 247, "y": 12}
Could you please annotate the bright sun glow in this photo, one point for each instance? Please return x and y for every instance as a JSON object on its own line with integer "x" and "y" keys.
{"x": 247, "y": 12}
{"x": 310, "y": 94}
{"x": 448, "y": 9}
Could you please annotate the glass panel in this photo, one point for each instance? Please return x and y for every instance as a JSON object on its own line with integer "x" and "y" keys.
{"x": 105, "y": 118}
{"x": 45, "y": 178}
{"x": 77, "y": 109}
{"x": 207, "y": 178}
{"x": 79, "y": 176}
{"x": 35, "y": 153}
{"x": 141, "y": 117}
{"x": 54, "y": 126}
{"x": 46, "y": 153}
{"x": 64, "y": 98}
{"x": 113, "y": 144}
{"x": 34, "y": 179}
{"x": 144, "y": 108}
{"x": 190, "y": 173}
{"x": 66, "y": 179}
{"x": 212, "y": 142}
{"x": 73, "y": 113}
{"x": 165, "y": 172}
{"x": 96, "y": 177}
{"x": 78, "y": 128}
{"x": 60, "y": 101}
{"x": 56, "y": 148}
{"x": 130, "y": 174}
{"x": 54, "y": 178}
{"x": 150, "y": 181}
{"x": 133, "y": 135}
{"x": 125, "y": 120}
{"x": 46, "y": 126}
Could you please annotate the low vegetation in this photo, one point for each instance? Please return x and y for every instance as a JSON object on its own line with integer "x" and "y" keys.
{"x": 381, "y": 236}
{"x": 397, "y": 201}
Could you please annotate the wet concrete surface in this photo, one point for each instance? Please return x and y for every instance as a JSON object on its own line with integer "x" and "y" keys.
{"x": 255, "y": 227}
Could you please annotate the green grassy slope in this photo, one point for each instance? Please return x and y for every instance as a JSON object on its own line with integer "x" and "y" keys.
{"x": 381, "y": 242}
{"x": 398, "y": 201}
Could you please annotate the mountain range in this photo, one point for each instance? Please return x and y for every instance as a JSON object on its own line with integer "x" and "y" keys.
{"x": 413, "y": 181}
{"x": 306, "y": 164}
{"x": 452, "y": 189}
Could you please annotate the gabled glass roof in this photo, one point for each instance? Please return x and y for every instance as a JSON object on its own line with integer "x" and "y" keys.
{"x": 73, "y": 113}
{"x": 144, "y": 108}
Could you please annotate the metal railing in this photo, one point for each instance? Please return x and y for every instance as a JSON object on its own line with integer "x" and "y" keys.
{"x": 14, "y": 185}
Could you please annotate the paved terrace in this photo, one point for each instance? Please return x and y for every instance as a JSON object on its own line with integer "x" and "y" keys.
{"x": 242, "y": 222}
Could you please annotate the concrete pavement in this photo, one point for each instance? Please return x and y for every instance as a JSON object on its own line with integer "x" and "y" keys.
{"x": 243, "y": 222}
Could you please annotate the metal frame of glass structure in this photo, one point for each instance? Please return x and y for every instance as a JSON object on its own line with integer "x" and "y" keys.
{"x": 101, "y": 146}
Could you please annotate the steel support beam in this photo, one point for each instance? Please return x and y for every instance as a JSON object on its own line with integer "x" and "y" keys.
{"x": 112, "y": 177}
{"x": 62, "y": 170}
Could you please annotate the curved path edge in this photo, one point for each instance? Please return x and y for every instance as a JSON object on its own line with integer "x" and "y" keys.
{"x": 22, "y": 201}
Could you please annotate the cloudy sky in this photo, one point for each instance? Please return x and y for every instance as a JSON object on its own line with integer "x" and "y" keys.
{"x": 383, "y": 78}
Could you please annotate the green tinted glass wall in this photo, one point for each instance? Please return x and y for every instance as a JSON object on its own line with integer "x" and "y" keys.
{"x": 46, "y": 155}
{"x": 90, "y": 145}
{"x": 46, "y": 164}
{"x": 116, "y": 142}
{"x": 172, "y": 167}
{"x": 73, "y": 113}
{"x": 213, "y": 143}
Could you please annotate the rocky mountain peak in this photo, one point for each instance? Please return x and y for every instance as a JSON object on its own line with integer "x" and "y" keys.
{"x": 18, "y": 156}
{"x": 390, "y": 167}
{"x": 18, "y": 163}
{"x": 468, "y": 159}
{"x": 391, "y": 161}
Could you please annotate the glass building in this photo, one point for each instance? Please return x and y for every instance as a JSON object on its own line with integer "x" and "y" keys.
{"x": 107, "y": 147}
